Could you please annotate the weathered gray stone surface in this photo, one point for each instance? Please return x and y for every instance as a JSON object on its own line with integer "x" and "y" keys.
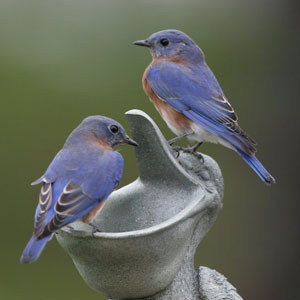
{"x": 152, "y": 227}
{"x": 214, "y": 286}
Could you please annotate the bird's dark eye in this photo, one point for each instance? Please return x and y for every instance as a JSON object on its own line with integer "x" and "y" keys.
{"x": 114, "y": 129}
{"x": 164, "y": 42}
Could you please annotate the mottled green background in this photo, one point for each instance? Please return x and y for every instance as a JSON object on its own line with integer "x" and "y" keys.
{"x": 61, "y": 61}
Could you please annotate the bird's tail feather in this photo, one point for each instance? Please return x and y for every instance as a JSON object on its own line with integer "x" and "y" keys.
{"x": 256, "y": 165}
{"x": 34, "y": 249}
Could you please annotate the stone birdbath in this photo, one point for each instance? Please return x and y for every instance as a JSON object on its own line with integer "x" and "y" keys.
{"x": 151, "y": 228}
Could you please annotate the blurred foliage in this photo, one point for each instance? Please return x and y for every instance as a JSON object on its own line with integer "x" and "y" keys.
{"x": 64, "y": 60}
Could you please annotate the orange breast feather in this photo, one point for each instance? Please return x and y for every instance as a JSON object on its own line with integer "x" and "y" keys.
{"x": 168, "y": 113}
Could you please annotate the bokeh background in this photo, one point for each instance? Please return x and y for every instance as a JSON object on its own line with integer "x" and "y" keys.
{"x": 63, "y": 60}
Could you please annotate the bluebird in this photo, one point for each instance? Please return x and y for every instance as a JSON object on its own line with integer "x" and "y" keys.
{"x": 189, "y": 98}
{"x": 78, "y": 180}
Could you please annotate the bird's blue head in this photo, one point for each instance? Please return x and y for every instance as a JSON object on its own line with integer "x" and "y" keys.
{"x": 102, "y": 130}
{"x": 173, "y": 45}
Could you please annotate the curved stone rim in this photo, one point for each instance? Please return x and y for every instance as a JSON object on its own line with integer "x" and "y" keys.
{"x": 186, "y": 213}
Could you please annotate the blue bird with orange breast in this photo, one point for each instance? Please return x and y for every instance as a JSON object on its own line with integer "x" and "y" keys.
{"x": 79, "y": 179}
{"x": 189, "y": 98}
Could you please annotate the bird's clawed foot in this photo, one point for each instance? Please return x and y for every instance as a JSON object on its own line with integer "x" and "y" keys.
{"x": 196, "y": 146}
{"x": 67, "y": 226}
{"x": 190, "y": 150}
{"x": 95, "y": 229}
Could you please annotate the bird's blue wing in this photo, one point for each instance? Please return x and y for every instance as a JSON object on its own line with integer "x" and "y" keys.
{"x": 195, "y": 92}
{"x": 73, "y": 194}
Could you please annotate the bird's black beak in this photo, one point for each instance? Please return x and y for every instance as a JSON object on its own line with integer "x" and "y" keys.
{"x": 130, "y": 141}
{"x": 143, "y": 43}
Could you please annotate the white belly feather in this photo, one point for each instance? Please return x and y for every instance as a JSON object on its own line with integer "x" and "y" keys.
{"x": 200, "y": 134}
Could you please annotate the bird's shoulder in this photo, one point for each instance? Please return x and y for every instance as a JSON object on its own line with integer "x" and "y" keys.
{"x": 77, "y": 165}
{"x": 164, "y": 66}
{"x": 197, "y": 80}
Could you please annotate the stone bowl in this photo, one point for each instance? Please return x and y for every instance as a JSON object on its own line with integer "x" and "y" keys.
{"x": 149, "y": 227}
